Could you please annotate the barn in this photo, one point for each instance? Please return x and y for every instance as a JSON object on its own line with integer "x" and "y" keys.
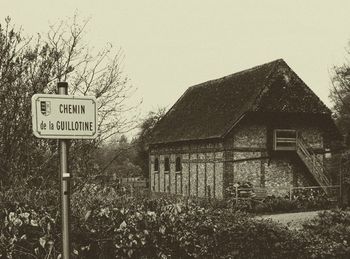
{"x": 263, "y": 125}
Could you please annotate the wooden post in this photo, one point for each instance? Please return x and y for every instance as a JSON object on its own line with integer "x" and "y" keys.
{"x": 236, "y": 188}
{"x": 209, "y": 192}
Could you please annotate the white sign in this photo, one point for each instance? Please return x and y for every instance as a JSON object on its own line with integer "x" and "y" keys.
{"x": 64, "y": 116}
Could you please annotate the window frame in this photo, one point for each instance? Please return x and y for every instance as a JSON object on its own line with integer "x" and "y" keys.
{"x": 156, "y": 162}
{"x": 178, "y": 164}
{"x": 290, "y": 142}
{"x": 166, "y": 164}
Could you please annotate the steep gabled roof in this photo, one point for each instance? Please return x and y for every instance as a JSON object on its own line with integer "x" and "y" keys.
{"x": 209, "y": 110}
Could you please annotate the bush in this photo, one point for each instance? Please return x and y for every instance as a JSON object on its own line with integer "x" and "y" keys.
{"x": 312, "y": 199}
{"x": 110, "y": 224}
{"x": 329, "y": 234}
{"x": 26, "y": 232}
{"x": 279, "y": 204}
{"x": 105, "y": 225}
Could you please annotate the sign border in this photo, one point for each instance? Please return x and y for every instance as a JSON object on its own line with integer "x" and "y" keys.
{"x": 36, "y": 129}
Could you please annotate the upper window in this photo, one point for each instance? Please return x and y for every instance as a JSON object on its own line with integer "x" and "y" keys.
{"x": 178, "y": 166}
{"x": 285, "y": 139}
{"x": 166, "y": 164}
{"x": 156, "y": 164}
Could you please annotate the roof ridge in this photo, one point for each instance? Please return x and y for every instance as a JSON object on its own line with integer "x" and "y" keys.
{"x": 212, "y": 110}
{"x": 276, "y": 61}
{"x": 254, "y": 102}
{"x": 266, "y": 86}
{"x": 309, "y": 89}
{"x": 189, "y": 89}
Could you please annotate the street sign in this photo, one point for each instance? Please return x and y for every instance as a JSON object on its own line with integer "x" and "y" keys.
{"x": 64, "y": 116}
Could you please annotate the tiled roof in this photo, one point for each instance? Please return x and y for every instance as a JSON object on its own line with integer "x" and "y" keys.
{"x": 209, "y": 110}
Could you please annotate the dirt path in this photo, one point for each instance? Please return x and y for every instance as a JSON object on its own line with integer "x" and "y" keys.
{"x": 291, "y": 220}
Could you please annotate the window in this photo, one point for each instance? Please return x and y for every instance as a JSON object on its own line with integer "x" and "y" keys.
{"x": 166, "y": 164}
{"x": 285, "y": 139}
{"x": 156, "y": 164}
{"x": 178, "y": 166}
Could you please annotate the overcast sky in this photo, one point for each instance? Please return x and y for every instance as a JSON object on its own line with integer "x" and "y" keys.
{"x": 171, "y": 45}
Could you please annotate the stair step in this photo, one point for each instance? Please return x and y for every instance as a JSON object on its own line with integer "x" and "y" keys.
{"x": 311, "y": 162}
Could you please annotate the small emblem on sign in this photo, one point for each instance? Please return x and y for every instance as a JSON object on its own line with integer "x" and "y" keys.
{"x": 45, "y": 107}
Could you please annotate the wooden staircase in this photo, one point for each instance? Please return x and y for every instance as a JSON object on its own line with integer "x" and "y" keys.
{"x": 313, "y": 164}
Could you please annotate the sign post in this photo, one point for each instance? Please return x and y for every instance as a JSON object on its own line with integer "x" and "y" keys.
{"x": 64, "y": 117}
{"x": 65, "y": 185}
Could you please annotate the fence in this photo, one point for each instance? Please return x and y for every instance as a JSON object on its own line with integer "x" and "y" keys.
{"x": 291, "y": 193}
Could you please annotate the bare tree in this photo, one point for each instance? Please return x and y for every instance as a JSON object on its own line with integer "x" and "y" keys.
{"x": 340, "y": 95}
{"x": 99, "y": 75}
{"x": 35, "y": 65}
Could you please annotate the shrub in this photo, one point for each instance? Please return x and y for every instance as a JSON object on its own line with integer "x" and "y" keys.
{"x": 110, "y": 224}
{"x": 279, "y": 204}
{"x": 162, "y": 229}
{"x": 312, "y": 199}
{"x": 329, "y": 234}
{"x": 27, "y": 233}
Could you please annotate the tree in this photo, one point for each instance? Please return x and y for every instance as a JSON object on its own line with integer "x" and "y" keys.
{"x": 340, "y": 95}
{"x": 143, "y": 138}
{"x": 24, "y": 70}
{"x": 115, "y": 159}
{"x": 35, "y": 65}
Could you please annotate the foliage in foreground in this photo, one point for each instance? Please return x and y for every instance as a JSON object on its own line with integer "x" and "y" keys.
{"x": 330, "y": 232}
{"x": 110, "y": 224}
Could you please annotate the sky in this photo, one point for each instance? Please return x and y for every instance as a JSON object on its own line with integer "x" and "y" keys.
{"x": 171, "y": 45}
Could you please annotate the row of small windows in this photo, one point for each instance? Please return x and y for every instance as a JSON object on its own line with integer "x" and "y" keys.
{"x": 178, "y": 166}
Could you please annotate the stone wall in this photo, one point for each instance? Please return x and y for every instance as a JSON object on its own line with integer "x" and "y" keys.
{"x": 247, "y": 170}
{"x": 248, "y": 159}
{"x": 312, "y": 136}
{"x": 209, "y": 167}
{"x": 251, "y": 136}
{"x": 278, "y": 176}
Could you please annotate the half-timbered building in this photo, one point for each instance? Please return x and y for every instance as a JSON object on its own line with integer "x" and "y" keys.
{"x": 263, "y": 125}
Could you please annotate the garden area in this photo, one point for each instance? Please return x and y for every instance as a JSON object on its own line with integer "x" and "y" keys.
{"x": 108, "y": 223}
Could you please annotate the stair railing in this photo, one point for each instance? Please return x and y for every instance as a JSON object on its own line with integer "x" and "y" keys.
{"x": 315, "y": 166}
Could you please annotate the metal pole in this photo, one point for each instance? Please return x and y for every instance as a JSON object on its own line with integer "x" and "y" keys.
{"x": 340, "y": 203}
{"x": 65, "y": 185}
